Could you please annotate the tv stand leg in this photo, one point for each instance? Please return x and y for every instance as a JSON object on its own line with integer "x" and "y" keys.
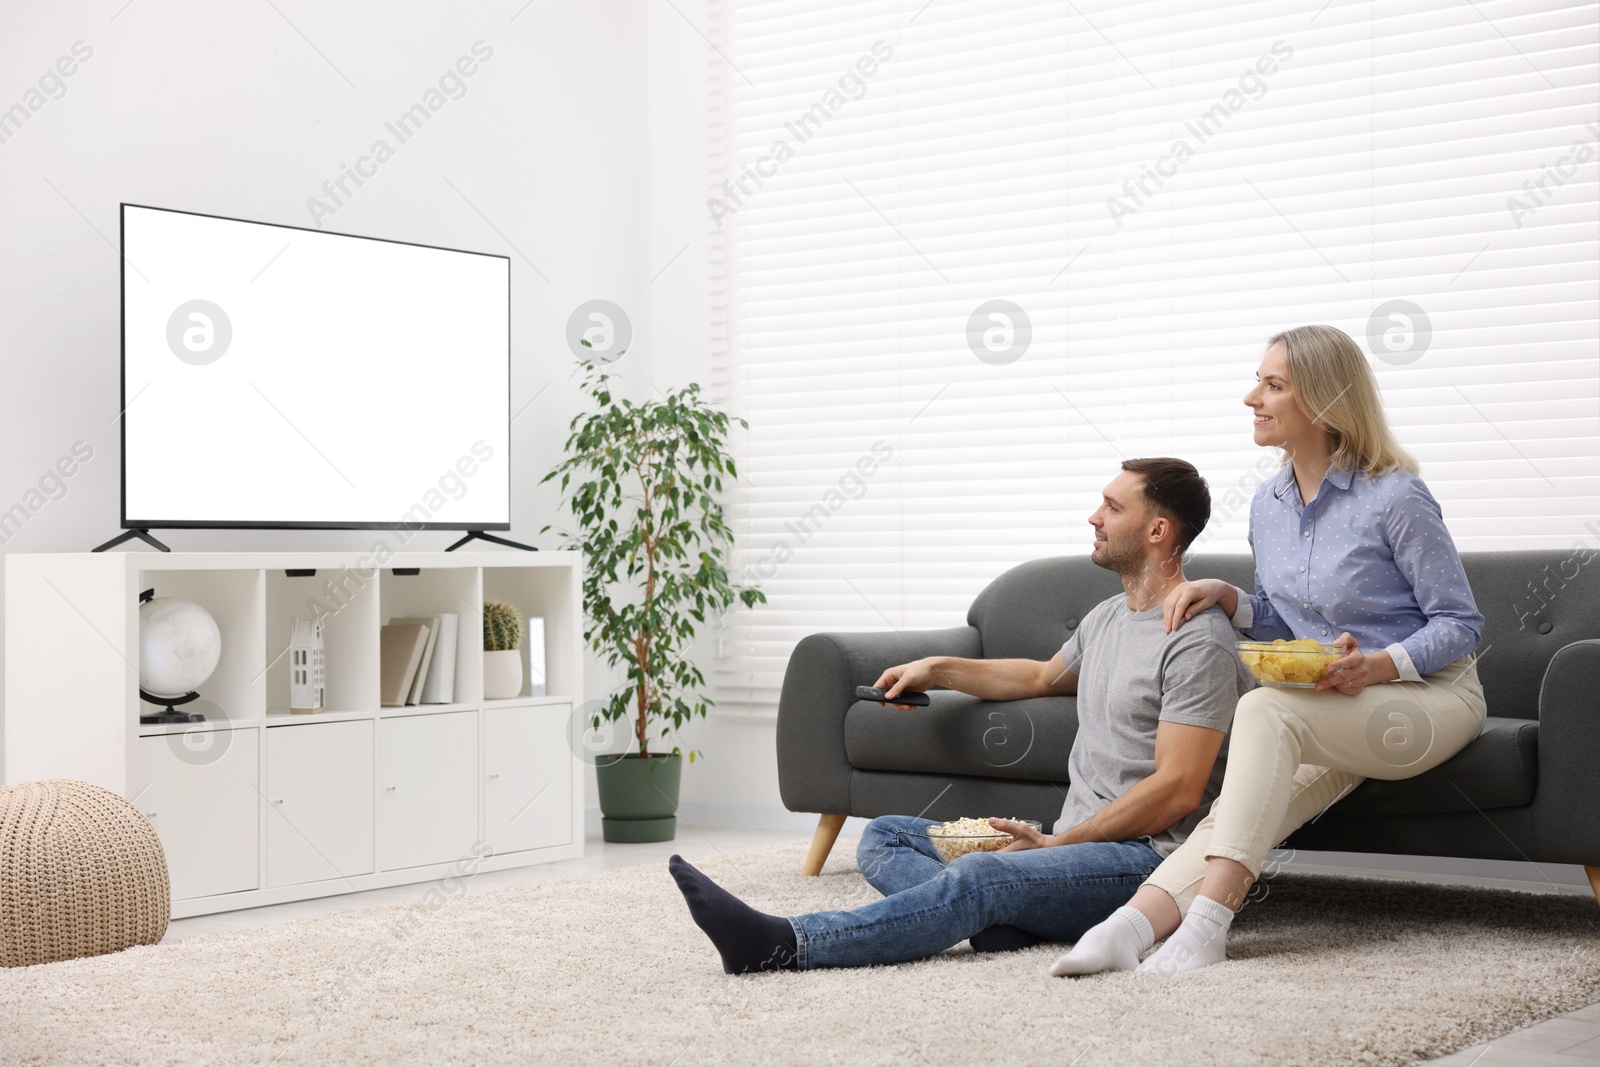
{"x": 128, "y": 535}
{"x": 479, "y": 535}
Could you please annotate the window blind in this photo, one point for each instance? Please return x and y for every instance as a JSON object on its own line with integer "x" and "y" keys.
{"x": 1158, "y": 187}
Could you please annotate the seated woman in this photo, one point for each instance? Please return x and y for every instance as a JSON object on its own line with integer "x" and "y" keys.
{"x": 1347, "y": 540}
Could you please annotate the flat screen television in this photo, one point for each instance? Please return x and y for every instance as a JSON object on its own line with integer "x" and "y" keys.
{"x": 277, "y": 377}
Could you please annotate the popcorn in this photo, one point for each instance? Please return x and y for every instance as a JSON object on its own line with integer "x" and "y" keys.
{"x": 957, "y": 838}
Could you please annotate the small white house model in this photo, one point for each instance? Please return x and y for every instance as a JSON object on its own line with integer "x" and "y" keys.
{"x": 306, "y": 665}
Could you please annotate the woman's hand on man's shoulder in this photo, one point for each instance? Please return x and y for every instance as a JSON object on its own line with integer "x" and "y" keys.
{"x": 1189, "y": 600}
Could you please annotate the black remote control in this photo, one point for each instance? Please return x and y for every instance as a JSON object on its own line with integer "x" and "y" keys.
{"x": 909, "y": 696}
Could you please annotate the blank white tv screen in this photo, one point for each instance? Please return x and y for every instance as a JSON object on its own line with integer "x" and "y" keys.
{"x": 283, "y": 377}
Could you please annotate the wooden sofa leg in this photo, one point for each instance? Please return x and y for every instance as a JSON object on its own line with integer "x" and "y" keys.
{"x": 1592, "y": 872}
{"x": 828, "y": 832}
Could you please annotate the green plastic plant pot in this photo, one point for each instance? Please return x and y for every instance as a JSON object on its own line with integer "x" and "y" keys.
{"x": 638, "y": 797}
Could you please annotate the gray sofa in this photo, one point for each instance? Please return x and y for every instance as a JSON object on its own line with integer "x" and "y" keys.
{"x": 1527, "y": 789}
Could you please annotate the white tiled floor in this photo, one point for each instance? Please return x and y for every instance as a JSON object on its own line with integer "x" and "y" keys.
{"x": 1566, "y": 1041}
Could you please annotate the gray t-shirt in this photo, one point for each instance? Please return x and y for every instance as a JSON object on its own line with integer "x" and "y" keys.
{"x": 1132, "y": 676}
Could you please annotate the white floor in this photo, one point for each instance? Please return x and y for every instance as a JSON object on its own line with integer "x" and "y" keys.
{"x": 1566, "y": 1041}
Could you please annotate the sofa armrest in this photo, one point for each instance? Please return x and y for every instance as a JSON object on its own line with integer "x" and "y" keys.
{"x": 1566, "y": 803}
{"x": 818, "y": 689}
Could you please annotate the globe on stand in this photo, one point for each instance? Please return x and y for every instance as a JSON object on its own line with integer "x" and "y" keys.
{"x": 179, "y": 646}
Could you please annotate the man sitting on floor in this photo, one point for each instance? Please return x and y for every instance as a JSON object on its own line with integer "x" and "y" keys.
{"x": 1153, "y": 713}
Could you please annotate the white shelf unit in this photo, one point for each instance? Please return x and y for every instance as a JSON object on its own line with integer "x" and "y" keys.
{"x": 259, "y": 805}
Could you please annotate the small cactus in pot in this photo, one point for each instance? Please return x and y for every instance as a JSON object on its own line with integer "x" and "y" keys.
{"x": 502, "y": 626}
{"x": 502, "y": 650}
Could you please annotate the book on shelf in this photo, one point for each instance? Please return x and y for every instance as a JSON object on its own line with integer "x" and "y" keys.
{"x": 440, "y": 685}
{"x": 414, "y": 694}
{"x": 535, "y": 645}
{"x": 436, "y": 674}
{"x": 400, "y": 648}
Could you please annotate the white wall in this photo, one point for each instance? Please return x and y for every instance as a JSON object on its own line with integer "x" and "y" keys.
{"x": 238, "y": 110}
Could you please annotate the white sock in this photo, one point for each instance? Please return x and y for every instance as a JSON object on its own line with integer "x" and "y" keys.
{"x": 1112, "y": 945}
{"x": 1201, "y": 940}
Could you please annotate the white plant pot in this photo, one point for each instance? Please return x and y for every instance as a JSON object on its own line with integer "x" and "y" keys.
{"x": 502, "y": 674}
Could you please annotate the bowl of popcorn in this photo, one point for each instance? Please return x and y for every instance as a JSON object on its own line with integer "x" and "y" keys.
{"x": 1285, "y": 664}
{"x": 955, "y": 839}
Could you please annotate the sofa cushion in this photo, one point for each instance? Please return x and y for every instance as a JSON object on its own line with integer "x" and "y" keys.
{"x": 1498, "y": 770}
{"x": 1027, "y": 740}
{"x": 1029, "y": 611}
{"x": 1534, "y": 602}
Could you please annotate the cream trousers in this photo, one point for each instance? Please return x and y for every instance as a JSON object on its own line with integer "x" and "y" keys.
{"x": 1293, "y": 752}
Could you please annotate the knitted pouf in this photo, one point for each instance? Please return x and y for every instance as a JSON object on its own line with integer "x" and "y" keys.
{"x": 81, "y": 873}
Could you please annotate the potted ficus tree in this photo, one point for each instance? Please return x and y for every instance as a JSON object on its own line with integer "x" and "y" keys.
{"x": 642, "y": 481}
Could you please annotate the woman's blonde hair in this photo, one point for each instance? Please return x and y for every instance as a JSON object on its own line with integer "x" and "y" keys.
{"x": 1336, "y": 389}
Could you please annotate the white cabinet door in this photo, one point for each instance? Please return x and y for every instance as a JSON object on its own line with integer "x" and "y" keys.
{"x": 427, "y": 788}
{"x": 319, "y": 802}
{"x": 199, "y": 790}
{"x": 527, "y": 785}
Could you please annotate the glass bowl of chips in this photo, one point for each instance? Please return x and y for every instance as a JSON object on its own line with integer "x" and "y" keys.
{"x": 957, "y": 838}
{"x": 1283, "y": 664}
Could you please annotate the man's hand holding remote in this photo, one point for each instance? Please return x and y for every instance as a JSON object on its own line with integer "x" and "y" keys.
{"x": 917, "y": 676}
{"x": 988, "y": 679}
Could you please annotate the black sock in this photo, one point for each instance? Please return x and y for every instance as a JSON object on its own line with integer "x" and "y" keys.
{"x": 1003, "y": 938}
{"x": 747, "y": 939}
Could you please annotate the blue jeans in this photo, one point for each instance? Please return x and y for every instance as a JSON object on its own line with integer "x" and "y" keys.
{"x": 1054, "y": 893}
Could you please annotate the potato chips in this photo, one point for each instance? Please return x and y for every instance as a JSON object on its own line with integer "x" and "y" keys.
{"x": 1296, "y": 664}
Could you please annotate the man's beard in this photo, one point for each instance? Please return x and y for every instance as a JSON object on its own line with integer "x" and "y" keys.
{"x": 1123, "y": 557}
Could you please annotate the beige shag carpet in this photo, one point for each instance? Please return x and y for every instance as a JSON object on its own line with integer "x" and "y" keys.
{"x": 609, "y": 969}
